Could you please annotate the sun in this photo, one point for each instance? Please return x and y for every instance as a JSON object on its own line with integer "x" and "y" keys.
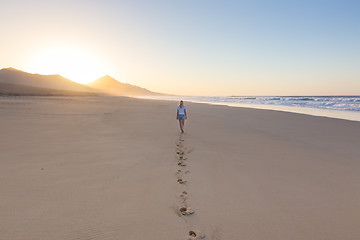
{"x": 73, "y": 63}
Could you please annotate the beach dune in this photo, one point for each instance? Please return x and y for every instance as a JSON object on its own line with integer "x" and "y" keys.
{"x": 108, "y": 168}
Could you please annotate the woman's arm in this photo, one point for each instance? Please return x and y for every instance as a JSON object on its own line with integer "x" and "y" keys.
{"x": 177, "y": 114}
{"x": 185, "y": 114}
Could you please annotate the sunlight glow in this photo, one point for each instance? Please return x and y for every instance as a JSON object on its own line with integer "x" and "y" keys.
{"x": 70, "y": 62}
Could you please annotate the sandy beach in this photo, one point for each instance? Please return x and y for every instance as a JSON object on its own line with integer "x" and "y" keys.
{"x": 108, "y": 168}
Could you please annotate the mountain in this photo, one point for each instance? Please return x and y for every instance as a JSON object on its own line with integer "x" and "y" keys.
{"x": 35, "y": 82}
{"x": 111, "y": 86}
{"x": 14, "y": 81}
{"x": 16, "y": 89}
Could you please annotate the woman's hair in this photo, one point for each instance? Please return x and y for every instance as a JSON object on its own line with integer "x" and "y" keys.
{"x": 181, "y": 103}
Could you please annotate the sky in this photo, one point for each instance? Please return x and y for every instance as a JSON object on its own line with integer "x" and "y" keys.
{"x": 190, "y": 47}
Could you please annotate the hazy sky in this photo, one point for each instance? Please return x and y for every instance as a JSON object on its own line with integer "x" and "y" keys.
{"x": 190, "y": 47}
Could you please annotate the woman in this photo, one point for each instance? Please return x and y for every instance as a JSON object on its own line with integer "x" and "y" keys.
{"x": 181, "y": 115}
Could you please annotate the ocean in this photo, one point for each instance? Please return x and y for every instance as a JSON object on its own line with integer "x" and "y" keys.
{"x": 343, "y": 107}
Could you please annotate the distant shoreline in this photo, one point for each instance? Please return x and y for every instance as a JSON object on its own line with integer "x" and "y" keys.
{"x": 269, "y": 103}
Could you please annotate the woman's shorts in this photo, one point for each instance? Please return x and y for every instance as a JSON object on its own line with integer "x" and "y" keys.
{"x": 181, "y": 116}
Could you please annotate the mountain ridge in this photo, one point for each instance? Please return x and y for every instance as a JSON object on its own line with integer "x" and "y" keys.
{"x": 29, "y": 83}
{"x": 24, "y": 90}
{"x": 54, "y": 81}
{"x": 110, "y": 85}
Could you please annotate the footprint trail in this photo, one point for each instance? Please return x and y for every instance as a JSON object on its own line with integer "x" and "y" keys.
{"x": 184, "y": 211}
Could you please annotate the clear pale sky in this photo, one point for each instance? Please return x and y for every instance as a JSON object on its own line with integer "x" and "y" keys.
{"x": 190, "y": 47}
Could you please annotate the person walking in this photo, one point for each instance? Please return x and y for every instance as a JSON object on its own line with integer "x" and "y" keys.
{"x": 181, "y": 115}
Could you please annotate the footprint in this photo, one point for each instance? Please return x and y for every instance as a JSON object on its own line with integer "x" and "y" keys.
{"x": 186, "y": 211}
{"x": 180, "y": 152}
{"x": 181, "y": 157}
{"x": 181, "y": 181}
{"x": 181, "y": 163}
{"x": 184, "y": 196}
{"x": 196, "y": 234}
{"x": 179, "y": 174}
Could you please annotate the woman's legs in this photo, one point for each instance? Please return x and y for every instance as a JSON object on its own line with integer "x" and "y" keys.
{"x": 181, "y": 122}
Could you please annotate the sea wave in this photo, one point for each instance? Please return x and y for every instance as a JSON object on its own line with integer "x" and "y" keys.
{"x": 338, "y": 103}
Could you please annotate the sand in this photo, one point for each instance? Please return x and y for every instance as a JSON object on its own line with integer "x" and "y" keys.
{"x": 107, "y": 168}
